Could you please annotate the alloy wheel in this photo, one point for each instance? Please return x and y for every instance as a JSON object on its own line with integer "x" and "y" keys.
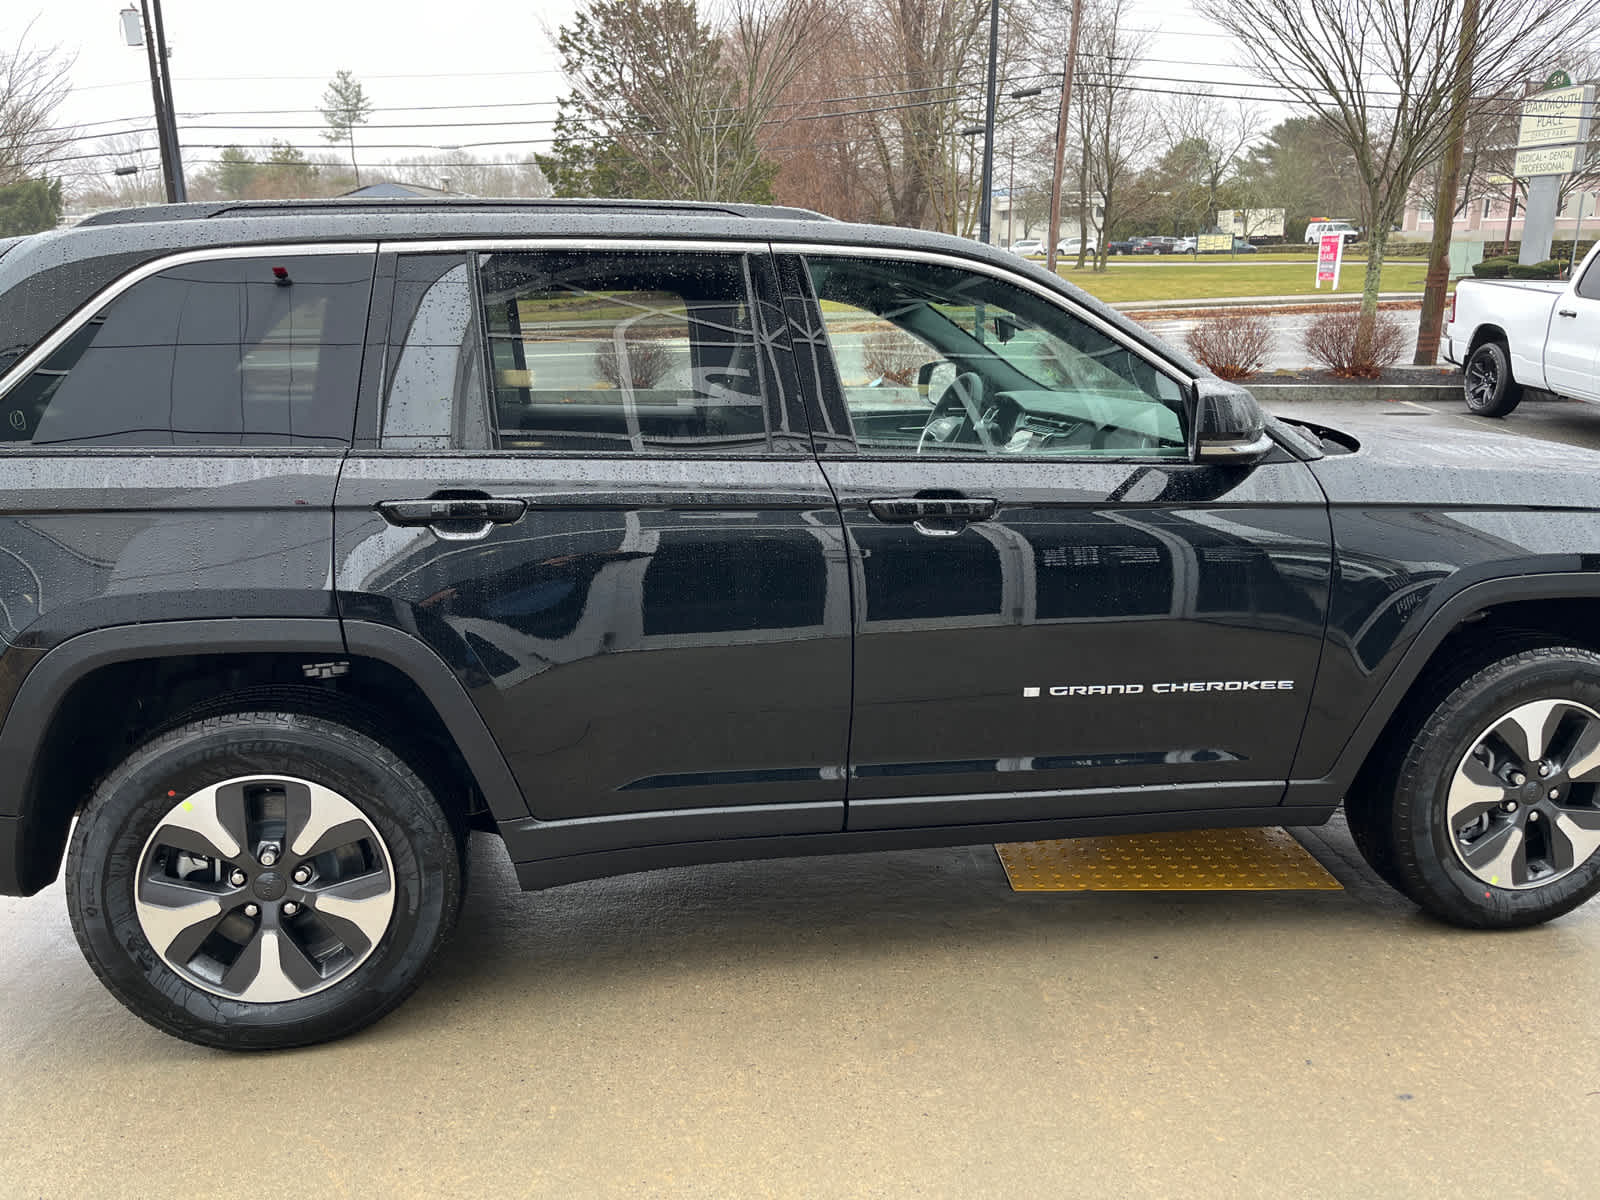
{"x": 1482, "y": 379}
{"x": 264, "y": 889}
{"x": 1522, "y": 806}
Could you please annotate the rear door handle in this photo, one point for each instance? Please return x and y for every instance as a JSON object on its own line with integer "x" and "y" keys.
{"x": 932, "y": 516}
{"x": 454, "y": 518}
{"x": 1566, "y": 312}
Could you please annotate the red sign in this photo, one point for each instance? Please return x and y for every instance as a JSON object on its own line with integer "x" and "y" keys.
{"x": 1330, "y": 256}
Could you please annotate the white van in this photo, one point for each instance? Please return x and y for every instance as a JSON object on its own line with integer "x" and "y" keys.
{"x": 1316, "y": 229}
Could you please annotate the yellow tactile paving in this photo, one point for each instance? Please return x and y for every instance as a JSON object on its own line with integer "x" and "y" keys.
{"x": 1201, "y": 860}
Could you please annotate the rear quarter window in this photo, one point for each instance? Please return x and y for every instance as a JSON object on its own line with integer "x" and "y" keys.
{"x": 249, "y": 351}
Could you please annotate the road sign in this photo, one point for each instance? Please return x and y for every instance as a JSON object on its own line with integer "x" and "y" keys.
{"x": 1554, "y": 118}
{"x": 1330, "y": 257}
{"x": 1210, "y": 243}
{"x": 1499, "y": 180}
{"x": 1558, "y": 79}
{"x": 1553, "y": 160}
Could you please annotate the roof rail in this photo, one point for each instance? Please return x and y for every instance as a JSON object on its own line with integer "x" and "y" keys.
{"x": 337, "y": 206}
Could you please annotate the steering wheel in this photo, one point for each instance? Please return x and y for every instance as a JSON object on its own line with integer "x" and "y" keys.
{"x": 958, "y": 418}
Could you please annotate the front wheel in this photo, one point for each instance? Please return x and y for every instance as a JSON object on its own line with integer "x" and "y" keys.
{"x": 1494, "y": 820}
{"x": 1488, "y": 385}
{"x": 262, "y": 880}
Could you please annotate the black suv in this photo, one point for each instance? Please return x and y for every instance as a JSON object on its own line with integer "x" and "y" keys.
{"x": 643, "y": 535}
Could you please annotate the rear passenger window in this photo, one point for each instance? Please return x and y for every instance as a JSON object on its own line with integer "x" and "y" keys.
{"x": 232, "y": 352}
{"x": 623, "y": 352}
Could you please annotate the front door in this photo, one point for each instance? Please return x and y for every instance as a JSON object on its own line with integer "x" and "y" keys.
{"x": 1572, "y": 352}
{"x": 585, "y": 493}
{"x": 1057, "y": 613}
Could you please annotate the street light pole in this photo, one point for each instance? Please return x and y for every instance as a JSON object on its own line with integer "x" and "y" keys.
{"x": 1061, "y": 138}
{"x": 988, "y": 122}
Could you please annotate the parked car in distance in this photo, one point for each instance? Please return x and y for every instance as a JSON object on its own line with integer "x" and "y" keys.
{"x": 1071, "y": 246}
{"x": 1316, "y": 229}
{"x": 1184, "y": 245}
{"x": 1120, "y": 247}
{"x": 637, "y": 535}
{"x": 1027, "y": 247}
{"x": 1509, "y": 335}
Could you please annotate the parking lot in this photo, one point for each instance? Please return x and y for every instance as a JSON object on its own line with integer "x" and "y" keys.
{"x": 873, "y": 1025}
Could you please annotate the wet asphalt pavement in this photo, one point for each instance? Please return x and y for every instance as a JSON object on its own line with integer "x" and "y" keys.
{"x": 872, "y": 1025}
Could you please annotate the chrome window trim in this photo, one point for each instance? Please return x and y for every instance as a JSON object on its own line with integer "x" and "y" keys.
{"x": 1171, "y": 370}
{"x": 81, "y": 316}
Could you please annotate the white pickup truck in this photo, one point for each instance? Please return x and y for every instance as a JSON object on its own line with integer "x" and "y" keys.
{"x": 1513, "y": 334}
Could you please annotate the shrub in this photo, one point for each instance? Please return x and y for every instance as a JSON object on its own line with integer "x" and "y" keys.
{"x": 1549, "y": 269}
{"x": 1331, "y": 342}
{"x": 1233, "y": 346}
{"x": 894, "y": 356}
{"x": 647, "y": 358}
{"x": 1493, "y": 268}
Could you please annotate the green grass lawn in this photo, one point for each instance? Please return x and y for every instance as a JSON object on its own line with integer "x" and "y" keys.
{"x": 1189, "y": 281}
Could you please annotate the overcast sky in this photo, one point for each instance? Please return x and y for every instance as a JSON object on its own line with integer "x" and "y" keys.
{"x": 246, "y": 73}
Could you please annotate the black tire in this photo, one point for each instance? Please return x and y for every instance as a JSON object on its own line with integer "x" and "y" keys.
{"x": 1422, "y": 838}
{"x": 1487, "y": 382}
{"x": 401, "y": 844}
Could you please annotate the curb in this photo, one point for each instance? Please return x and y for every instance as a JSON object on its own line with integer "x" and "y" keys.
{"x": 1300, "y": 393}
{"x": 1254, "y": 301}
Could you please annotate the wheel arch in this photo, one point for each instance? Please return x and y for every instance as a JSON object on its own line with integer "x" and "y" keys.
{"x": 54, "y": 766}
{"x": 1490, "y": 333}
{"x": 1473, "y": 626}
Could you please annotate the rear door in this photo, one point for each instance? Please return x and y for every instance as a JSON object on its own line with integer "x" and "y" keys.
{"x": 582, "y": 485}
{"x": 1572, "y": 351}
{"x": 1057, "y": 613}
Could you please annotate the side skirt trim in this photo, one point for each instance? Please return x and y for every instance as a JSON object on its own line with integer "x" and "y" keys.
{"x": 553, "y": 872}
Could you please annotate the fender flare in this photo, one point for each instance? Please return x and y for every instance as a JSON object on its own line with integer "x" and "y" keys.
{"x": 1579, "y": 584}
{"x": 31, "y": 854}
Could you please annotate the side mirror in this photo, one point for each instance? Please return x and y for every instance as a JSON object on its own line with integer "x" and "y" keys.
{"x": 945, "y": 372}
{"x": 1228, "y": 425}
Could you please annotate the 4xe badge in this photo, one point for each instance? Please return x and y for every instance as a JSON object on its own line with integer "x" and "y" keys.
{"x": 1160, "y": 689}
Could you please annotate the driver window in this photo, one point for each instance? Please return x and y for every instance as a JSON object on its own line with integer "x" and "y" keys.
{"x": 935, "y": 360}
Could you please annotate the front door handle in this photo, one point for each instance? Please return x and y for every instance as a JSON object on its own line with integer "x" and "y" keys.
{"x": 1566, "y": 312}
{"x": 906, "y": 510}
{"x": 454, "y": 518}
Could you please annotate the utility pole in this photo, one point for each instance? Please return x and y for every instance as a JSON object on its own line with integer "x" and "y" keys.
{"x": 180, "y": 189}
{"x": 1437, "y": 283}
{"x": 1061, "y": 138}
{"x": 140, "y": 29}
{"x": 988, "y": 122}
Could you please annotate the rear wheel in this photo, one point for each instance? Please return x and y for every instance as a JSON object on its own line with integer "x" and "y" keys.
{"x": 1494, "y": 819}
{"x": 261, "y": 880}
{"x": 1488, "y": 386}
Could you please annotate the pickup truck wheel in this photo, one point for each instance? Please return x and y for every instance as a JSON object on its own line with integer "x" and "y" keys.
{"x": 1489, "y": 388}
{"x": 262, "y": 880}
{"x": 1496, "y": 808}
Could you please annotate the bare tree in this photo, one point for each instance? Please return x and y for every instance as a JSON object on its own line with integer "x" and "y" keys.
{"x": 934, "y": 55}
{"x": 1115, "y": 124}
{"x": 1207, "y": 138}
{"x": 135, "y": 154}
{"x": 460, "y": 171}
{"x": 1381, "y": 74}
{"x": 34, "y": 81}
